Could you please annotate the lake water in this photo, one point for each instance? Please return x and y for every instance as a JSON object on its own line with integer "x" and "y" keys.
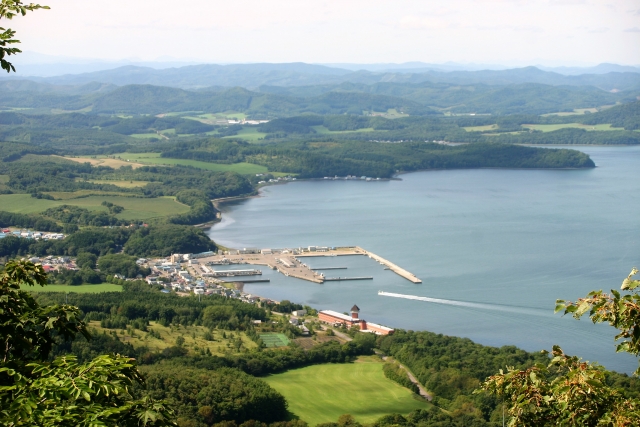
{"x": 499, "y": 245}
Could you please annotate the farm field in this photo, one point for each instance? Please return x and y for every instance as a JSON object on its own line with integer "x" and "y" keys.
{"x": 82, "y": 289}
{"x": 323, "y": 130}
{"x": 104, "y": 161}
{"x": 123, "y": 184}
{"x": 154, "y": 158}
{"x": 551, "y": 128}
{"x": 480, "y": 128}
{"x": 4, "y": 179}
{"x": 248, "y": 133}
{"x": 135, "y": 208}
{"x": 194, "y": 338}
{"x": 321, "y": 393}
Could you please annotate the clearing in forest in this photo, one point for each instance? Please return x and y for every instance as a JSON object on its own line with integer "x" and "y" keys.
{"x": 321, "y": 393}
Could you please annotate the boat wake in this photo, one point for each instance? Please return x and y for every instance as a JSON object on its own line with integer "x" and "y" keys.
{"x": 476, "y": 305}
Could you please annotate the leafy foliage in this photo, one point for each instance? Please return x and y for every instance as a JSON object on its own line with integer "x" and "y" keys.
{"x": 565, "y": 392}
{"x": 620, "y": 311}
{"x": 9, "y": 9}
{"x": 61, "y": 392}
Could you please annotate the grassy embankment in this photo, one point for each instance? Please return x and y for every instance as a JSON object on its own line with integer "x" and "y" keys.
{"x": 321, "y": 393}
{"x": 223, "y": 341}
{"x": 134, "y": 208}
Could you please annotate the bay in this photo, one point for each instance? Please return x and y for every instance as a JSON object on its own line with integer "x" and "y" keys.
{"x": 500, "y": 246}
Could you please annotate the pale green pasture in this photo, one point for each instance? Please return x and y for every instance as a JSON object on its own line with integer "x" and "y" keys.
{"x": 248, "y": 133}
{"x": 4, "y": 179}
{"x": 82, "y": 289}
{"x": 480, "y": 128}
{"x": 551, "y": 128}
{"x": 123, "y": 184}
{"x": 154, "y": 158}
{"x": 323, "y": 130}
{"x": 135, "y": 208}
{"x": 321, "y": 393}
{"x": 145, "y": 135}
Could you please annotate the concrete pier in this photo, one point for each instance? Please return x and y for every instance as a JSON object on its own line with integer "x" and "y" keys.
{"x": 399, "y": 271}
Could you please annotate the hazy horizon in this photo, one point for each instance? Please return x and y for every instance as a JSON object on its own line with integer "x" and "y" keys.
{"x": 509, "y": 33}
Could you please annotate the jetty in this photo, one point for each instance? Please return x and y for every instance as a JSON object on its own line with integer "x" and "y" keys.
{"x": 329, "y": 268}
{"x": 399, "y": 271}
{"x": 336, "y": 279}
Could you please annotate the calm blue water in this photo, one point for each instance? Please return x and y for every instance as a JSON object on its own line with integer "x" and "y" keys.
{"x": 509, "y": 242}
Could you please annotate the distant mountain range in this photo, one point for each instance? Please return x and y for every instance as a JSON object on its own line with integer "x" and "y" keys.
{"x": 607, "y": 77}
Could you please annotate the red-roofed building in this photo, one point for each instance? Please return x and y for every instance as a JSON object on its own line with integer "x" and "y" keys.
{"x": 335, "y": 318}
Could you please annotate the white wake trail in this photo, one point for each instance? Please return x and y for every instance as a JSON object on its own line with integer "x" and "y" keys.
{"x": 484, "y": 306}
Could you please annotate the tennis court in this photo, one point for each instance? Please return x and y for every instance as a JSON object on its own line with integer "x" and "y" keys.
{"x": 274, "y": 340}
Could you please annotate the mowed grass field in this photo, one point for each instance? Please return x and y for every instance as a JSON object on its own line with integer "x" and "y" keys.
{"x": 248, "y": 133}
{"x": 134, "y": 207}
{"x": 155, "y": 159}
{"x": 82, "y": 289}
{"x": 321, "y": 393}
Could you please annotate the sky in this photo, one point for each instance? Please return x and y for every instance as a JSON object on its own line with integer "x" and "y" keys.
{"x": 508, "y": 32}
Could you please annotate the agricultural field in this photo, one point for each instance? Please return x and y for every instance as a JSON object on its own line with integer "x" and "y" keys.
{"x": 123, "y": 184}
{"x": 135, "y": 208}
{"x": 194, "y": 338}
{"x": 321, "y": 393}
{"x": 551, "y": 128}
{"x": 104, "y": 161}
{"x": 4, "y": 179}
{"x": 480, "y": 128}
{"x": 82, "y": 289}
{"x": 323, "y": 130}
{"x": 249, "y": 134}
{"x": 154, "y": 158}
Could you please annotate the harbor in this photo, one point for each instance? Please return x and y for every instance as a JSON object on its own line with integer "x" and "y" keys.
{"x": 290, "y": 263}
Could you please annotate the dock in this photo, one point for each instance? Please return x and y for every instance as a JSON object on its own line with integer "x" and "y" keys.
{"x": 329, "y": 268}
{"x": 336, "y": 279}
{"x": 399, "y": 271}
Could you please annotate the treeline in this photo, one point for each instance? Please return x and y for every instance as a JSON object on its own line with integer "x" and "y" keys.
{"x": 35, "y": 222}
{"x": 394, "y": 372}
{"x": 156, "y": 240}
{"x": 319, "y": 159}
{"x": 452, "y": 368}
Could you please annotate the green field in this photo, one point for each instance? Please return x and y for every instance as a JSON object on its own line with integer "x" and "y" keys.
{"x": 154, "y": 158}
{"x": 480, "y": 128}
{"x": 135, "y": 208}
{"x": 82, "y": 289}
{"x": 551, "y": 128}
{"x": 323, "y": 130}
{"x": 4, "y": 179}
{"x": 123, "y": 184}
{"x": 248, "y": 133}
{"x": 321, "y": 393}
{"x": 274, "y": 340}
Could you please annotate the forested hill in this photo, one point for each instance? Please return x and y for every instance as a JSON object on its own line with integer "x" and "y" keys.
{"x": 296, "y": 74}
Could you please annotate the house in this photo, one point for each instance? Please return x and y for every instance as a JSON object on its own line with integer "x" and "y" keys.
{"x": 299, "y": 313}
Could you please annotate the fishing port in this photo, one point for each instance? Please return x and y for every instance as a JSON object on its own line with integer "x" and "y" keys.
{"x": 290, "y": 262}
